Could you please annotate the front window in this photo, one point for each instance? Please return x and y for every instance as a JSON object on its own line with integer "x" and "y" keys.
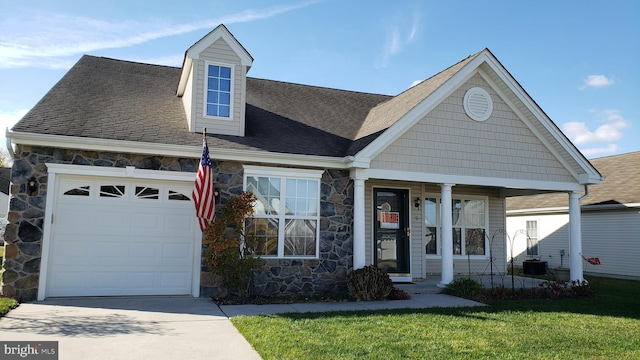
{"x": 218, "y": 91}
{"x": 469, "y": 225}
{"x": 286, "y": 214}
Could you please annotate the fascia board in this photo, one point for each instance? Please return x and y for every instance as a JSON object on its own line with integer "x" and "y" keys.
{"x": 136, "y": 147}
{"x": 419, "y": 111}
{"x": 220, "y": 32}
{"x": 184, "y": 75}
{"x": 470, "y": 180}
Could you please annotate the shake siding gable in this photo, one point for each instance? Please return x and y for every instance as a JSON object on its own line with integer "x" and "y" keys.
{"x": 219, "y": 53}
{"x": 447, "y": 141}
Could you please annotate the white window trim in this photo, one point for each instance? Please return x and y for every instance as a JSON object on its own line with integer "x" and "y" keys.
{"x": 206, "y": 89}
{"x": 283, "y": 174}
{"x": 438, "y": 255}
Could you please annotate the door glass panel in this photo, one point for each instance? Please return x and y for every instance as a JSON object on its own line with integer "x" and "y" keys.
{"x": 391, "y": 233}
{"x": 113, "y": 191}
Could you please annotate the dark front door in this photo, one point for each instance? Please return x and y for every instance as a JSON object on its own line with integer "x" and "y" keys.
{"x": 392, "y": 231}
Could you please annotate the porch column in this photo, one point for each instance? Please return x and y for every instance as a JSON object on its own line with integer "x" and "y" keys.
{"x": 358, "y": 224}
{"x": 575, "y": 238}
{"x": 447, "y": 235}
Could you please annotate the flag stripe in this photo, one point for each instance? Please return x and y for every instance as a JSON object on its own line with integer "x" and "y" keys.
{"x": 203, "y": 191}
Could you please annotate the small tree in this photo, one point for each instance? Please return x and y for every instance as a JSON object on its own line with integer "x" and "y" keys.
{"x": 231, "y": 251}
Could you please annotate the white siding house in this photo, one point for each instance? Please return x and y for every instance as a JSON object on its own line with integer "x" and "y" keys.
{"x": 610, "y": 223}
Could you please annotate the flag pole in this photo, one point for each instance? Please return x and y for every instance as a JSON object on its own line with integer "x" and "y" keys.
{"x": 204, "y": 133}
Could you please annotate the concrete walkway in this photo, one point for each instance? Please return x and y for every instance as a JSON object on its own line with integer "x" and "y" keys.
{"x": 129, "y": 328}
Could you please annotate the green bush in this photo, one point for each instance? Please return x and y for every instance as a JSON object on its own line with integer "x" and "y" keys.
{"x": 6, "y": 304}
{"x": 464, "y": 288}
{"x": 369, "y": 283}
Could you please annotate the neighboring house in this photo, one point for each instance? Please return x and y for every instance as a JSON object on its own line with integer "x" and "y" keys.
{"x": 344, "y": 179}
{"x": 610, "y": 222}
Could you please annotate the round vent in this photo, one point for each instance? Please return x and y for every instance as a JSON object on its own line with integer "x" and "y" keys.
{"x": 478, "y": 104}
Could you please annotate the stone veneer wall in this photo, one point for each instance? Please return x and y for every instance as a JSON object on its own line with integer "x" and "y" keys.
{"x": 327, "y": 273}
{"x": 24, "y": 231}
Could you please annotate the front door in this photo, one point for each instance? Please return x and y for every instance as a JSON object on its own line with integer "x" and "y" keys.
{"x": 392, "y": 232}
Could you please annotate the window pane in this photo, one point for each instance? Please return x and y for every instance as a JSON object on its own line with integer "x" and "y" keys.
{"x": 432, "y": 241}
{"x": 212, "y": 97}
{"x": 430, "y": 212}
{"x": 214, "y": 70}
{"x": 300, "y": 237}
{"x": 212, "y": 110}
{"x": 79, "y": 191}
{"x": 223, "y": 110}
{"x": 456, "y": 209}
{"x": 474, "y": 241}
{"x": 225, "y": 72}
{"x": 265, "y": 233}
{"x": 115, "y": 191}
{"x": 474, "y": 213}
{"x": 212, "y": 83}
{"x": 457, "y": 242}
{"x": 147, "y": 193}
{"x": 224, "y": 98}
{"x": 225, "y": 85}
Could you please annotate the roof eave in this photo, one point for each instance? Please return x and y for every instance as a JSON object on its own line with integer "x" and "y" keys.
{"x": 186, "y": 151}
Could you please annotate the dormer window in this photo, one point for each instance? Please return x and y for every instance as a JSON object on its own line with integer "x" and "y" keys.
{"x": 218, "y": 98}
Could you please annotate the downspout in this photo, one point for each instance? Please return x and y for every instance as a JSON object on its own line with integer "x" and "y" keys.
{"x": 586, "y": 193}
{"x": 9, "y": 147}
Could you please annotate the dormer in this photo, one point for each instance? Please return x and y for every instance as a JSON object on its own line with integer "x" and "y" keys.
{"x": 213, "y": 83}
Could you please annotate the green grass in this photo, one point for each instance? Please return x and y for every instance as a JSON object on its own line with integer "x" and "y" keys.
{"x": 602, "y": 327}
{"x": 7, "y": 304}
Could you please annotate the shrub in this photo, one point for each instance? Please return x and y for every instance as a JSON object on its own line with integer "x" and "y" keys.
{"x": 582, "y": 289}
{"x": 464, "y": 288}
{"x": 369, "y": 283}
{"x": 398, "y": 294}
{"x": 230, "y": 250}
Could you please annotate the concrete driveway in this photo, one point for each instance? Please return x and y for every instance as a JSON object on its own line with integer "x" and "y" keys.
{"x": 129, "y": 328}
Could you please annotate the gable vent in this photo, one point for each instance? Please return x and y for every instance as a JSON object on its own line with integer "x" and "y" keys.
{"x": 478, "y": 104}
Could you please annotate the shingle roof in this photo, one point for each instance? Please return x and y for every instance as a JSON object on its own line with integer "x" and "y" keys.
{"x": 121, "y": 100}
{"x": 621, "y": 186}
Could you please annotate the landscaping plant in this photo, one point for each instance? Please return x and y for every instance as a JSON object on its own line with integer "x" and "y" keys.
{"x": 230, "y": 250}
{"x": 369, "y": 283}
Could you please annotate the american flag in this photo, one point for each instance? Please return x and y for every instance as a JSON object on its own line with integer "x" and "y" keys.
{"x": 203, "y": 191}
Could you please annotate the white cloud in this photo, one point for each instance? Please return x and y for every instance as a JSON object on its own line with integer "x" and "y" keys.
{"x": 415, "y": 82}
{"x": 597, "y": 81}
{"x": 8, "y": 119}
{"x": 610, "y": 131}
{"x": 398, "y": 35}
{"x": 48, "y": 40}
{"x": 609, "y": 149}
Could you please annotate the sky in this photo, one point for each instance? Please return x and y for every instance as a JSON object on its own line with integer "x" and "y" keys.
{"x": 579, "y": 60}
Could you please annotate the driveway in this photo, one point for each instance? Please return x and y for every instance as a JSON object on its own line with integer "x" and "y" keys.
{"x": 129, "y": 328}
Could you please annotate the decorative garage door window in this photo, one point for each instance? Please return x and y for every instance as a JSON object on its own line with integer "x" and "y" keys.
{"x": 78, "y": 191}
{"x": 147, "y": 193}
{"x": 175, "y": 195}
{"x": 286, "y": 216}
{"x": 112, "y": 191}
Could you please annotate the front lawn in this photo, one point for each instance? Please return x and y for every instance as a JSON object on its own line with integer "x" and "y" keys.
{"x": 604, "y": 326}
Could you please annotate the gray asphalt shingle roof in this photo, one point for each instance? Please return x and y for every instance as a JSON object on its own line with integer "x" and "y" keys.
{"x": 121, "y": 100}
{"x": 621, "y": 186}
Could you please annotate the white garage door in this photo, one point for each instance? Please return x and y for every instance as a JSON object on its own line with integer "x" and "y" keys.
{"x": 115, "y": 236}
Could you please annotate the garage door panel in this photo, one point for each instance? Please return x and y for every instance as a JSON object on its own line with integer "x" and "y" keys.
{"x": 135, "y": 244}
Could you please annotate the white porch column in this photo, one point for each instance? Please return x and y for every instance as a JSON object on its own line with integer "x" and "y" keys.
{"x": 358, "y": 224}
{"x": 447, "y": 235}
{"x": 575, "y": 238}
